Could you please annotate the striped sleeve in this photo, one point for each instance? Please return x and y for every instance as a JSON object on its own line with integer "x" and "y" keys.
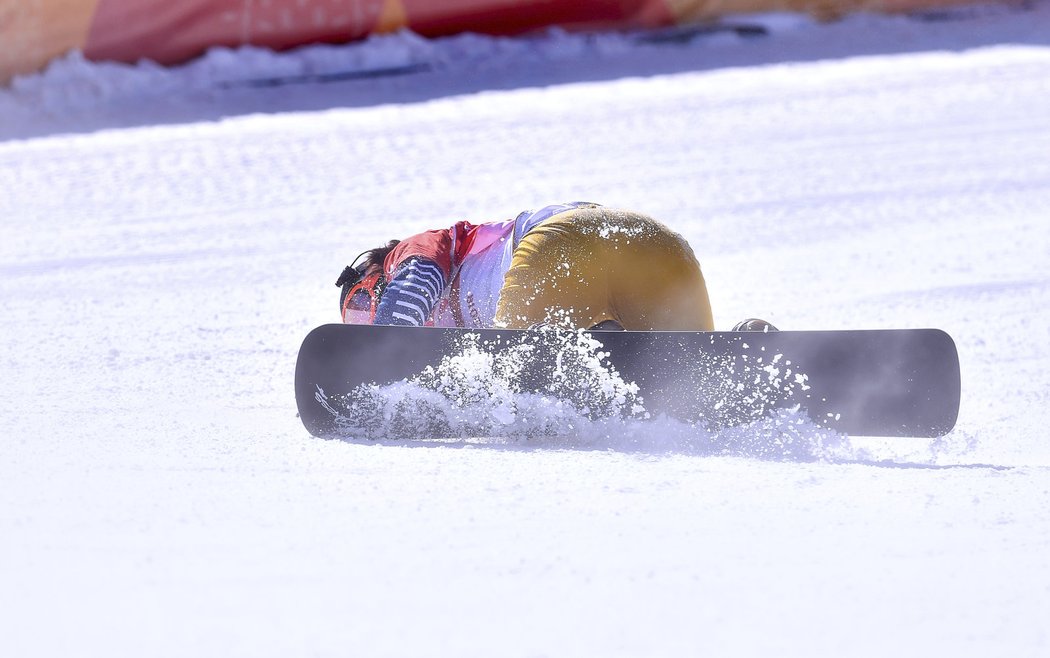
{"x": 411, "y": 294}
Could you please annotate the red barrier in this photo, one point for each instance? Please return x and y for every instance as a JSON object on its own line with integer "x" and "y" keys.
{"x": 173, "y": 31}
{"x": 170, "y": 32}
{"x": 507, "y": 18}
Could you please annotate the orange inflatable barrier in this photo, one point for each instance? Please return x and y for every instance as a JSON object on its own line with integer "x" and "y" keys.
{"x": 32, "y": 32}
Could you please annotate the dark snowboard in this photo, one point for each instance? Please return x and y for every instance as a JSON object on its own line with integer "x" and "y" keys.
{"x": 866, "y": 383}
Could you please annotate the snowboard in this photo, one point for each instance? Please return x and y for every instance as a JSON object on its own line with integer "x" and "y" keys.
{"x": 901, "y": 382}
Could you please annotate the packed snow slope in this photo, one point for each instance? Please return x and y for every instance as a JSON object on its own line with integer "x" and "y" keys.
{"x": 169, "y": 236}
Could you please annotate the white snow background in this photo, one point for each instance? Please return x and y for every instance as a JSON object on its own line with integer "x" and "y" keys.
{"x": 171, "y": 235}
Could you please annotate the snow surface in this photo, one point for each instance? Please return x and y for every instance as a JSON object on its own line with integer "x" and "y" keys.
{"x": 169, "y": 236}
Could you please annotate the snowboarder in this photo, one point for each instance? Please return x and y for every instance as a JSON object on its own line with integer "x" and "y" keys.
{"x": 578, "y": 265}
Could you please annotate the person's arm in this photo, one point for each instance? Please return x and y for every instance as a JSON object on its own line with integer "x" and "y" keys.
{"x": 412, "y": 293}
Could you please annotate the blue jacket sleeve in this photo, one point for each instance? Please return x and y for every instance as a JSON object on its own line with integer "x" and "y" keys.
{"x": 412, "y": 293}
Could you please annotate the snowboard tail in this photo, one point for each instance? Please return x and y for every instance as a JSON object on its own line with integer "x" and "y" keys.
{"x": 867, "y": 382}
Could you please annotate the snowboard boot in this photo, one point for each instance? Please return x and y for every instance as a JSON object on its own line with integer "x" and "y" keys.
{"x": 607, "y": 325}
{"x": 754, "y": 324}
